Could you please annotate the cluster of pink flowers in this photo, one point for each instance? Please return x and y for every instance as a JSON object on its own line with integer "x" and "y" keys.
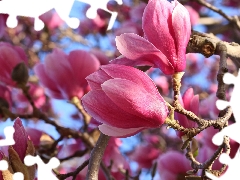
{"x": 121, "y": 98}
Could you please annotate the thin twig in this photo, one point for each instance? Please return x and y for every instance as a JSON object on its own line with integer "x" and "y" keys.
{"x": 74, "y": 173}
{"x": 231, "y": 19}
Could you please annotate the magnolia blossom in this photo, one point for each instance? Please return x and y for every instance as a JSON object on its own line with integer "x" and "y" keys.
{"x": 63, "y": 75}
{"x": 190, "y": 102}
{"x": 147, "y": 152}
{"x": 125, "y": 100}
{"x": 173, "y": 165}
{"x": 167, "y": 30}
{"x": 22, "y": 105}
{"x": 52, "y": 19}
{"x": 208, "y": 107}
{"x": 10, "y": 56}
{"x": 16, "y": 154}
{"x": 102, "y": 57}
{"x": 194, "y": 16}
{"x": 112, "y": 155}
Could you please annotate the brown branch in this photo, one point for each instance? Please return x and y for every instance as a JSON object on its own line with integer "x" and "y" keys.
{"x": 232, "y": 19}
{"x": 74, "y": 173}
{"x": 64, "y": 132}
{"x": 96, "y": 157}
{"x": 75, "y": 154}
{"x": 206, "y": 44}
{"x": 106, "y": 171}
{"x": 86, "y": 118}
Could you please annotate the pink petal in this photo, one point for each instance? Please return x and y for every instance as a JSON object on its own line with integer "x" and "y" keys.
{"x": 35, "y": 135}
{"x": 178, "y": 164}
{"x": 47, "y": 82}
{"x": 194, "y": 106}
{"x": 187, "y": 98}
{"x": 158, "y": 29}
{"x": 101, "y": 108}
{"x": 101, "y": 56}
{"x": 55, "y": 63}
{"x": 96, "y": 79}
{"x": 119, "y": 132}
{"x": 182, "y": 29}
{"x": 134, "y": 47}
{"x": 134, "y": 99}
{"x": 20, "y": 136}
{"x": 129, "y": 62}
{"x": 133, "y": 75}
{"x": 82, "y": 64}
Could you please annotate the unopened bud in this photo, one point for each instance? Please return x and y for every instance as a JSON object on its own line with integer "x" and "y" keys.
{"x": 20, "y": 73}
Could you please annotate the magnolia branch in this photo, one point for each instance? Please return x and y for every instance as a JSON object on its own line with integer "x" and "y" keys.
{"x": 74, "y": 173}
{"x": 206, "y": 44}
{"x": 231, "y": 19}
{"x": 96, "y": 157}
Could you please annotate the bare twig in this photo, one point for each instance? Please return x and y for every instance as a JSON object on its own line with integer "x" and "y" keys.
{"x": 74, "y": 173}
{"x": 231, "y": 19}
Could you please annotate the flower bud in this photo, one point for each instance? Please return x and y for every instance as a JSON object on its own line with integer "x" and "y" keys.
{"x": 20, "y": 74}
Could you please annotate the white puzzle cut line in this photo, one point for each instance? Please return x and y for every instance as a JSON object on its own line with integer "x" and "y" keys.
{"x": 101, "y": 4}
{"x": 8, "y": 141}
{"x": 44, "y": 170}
{"x": 8, "y": 132}
{"x": 231, "y": 131}
{"x": 36, "y": 8}
{"x": 233, "y": 167}
{"x": 3, "y": 165}
{"x": 18, "y": 176}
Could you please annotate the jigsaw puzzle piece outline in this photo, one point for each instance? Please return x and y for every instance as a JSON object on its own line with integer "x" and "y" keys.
{"x": 233, "y": 166}
{"x": 3, "y": 165}
{"x": 8, "y": 133}
{"x": 16, "y": 8}
{"x": 44, "y": 170}
{"x": 92, "y": 11}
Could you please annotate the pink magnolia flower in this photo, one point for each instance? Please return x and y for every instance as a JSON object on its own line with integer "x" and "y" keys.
{"x": 191, "y": 103}
{"x": 136, "y": 12}
{"x": 22, "y": 105}
{"x": 92, "y": 26}
{"x": 173, "y": 165}
{"x": 125, "y": 100}
{"x": 20, "y": 136}
{"x": 51, "y": 19}
{"x": 16, "y": 154}
{"x": 194, "y": 16}
{"x": 102, "y": 57}
{"x": 63, "y": 75}
{"x": 167, "y": 30}
{"x": 162, "y": 82}
{"x": 35, "y": 136}
{"x": 208, "y": 107}
{"x": 145, "y": 155}
{"x": 206, "y": 152}
{"x": 10, "y": 56}
{"x": 112, "y": 155}
{"x": 206, "y": 140}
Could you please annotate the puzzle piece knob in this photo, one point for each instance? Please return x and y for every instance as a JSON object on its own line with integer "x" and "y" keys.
{"x": 3, "y": 165}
